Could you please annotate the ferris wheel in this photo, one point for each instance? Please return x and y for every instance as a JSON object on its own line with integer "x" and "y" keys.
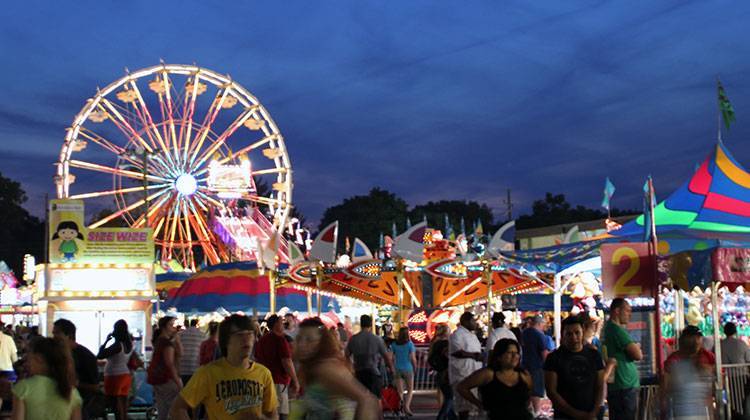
{"x": 166, "y": 147}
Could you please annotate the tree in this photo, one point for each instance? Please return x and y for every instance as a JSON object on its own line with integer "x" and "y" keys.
{"x": 555, "y": 210}
{"x": 366, "y": 216}
{"x": 21, "y": 232}
{"x": 471, "y": 211}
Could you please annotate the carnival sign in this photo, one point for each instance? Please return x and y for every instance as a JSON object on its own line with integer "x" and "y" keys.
{"x": 628, "y": 270}
{"x": 731, "y": 265}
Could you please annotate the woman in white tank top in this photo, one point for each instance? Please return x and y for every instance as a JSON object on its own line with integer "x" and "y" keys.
{"x": 117, "y": 376}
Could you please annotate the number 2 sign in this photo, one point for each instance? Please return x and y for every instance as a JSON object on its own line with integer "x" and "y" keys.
{"x": 627, "y": 270}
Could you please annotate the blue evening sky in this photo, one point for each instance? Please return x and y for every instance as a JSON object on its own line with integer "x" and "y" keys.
{"x": 428, "y": 99}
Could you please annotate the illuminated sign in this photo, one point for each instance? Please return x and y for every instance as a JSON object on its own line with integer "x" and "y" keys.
{"x": 230, "y": 181}
{"x": 95, "y": 280}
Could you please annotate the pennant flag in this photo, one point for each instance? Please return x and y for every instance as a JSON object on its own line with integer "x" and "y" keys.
{"x": 324, "y": 246}
{"x": 394, "y": 232}
{"x": 463, "y": 226}
{"x": 448, "y": 228}
{"x": 410, "y": 244}
{"x": 503, "y": 239}
{"x": 360, "y": 251}
{"x": 479, "y": 230}
{"x": 295, "y": 254}
{"x": 408, "y": 222}
{"x": 381, "y": 241}
{"x": 609, "y": 191}
{"x": 269, "y": 250}
{"x": 424, "y": 219}
{"x": 727, "y": 111}
{"x": 648, "y": 210}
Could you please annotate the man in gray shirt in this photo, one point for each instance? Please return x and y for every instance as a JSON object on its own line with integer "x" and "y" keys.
{"x": 366, "y": 349}
{"x": 733, "y": 350}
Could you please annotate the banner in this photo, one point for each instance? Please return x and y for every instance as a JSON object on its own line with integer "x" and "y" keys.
{"x": 731, "y": 265}
{"x": 71, "y": 242}
{"x": 627, "y": 270}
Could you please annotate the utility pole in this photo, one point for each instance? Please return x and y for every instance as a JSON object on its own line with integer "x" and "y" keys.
{"x": 509, "y": 205}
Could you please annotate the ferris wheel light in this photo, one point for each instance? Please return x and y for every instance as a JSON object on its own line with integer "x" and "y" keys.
{"x": 186, "y": 184}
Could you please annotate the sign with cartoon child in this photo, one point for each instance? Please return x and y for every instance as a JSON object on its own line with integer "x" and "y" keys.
{"x": 71, "y": 242}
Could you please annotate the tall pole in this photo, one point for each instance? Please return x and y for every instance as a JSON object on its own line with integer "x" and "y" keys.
{"x": 510, "y": 206}
{"x": 399, "y": 274}
{"x": 487, "y": 274}
{"x": 653, "y": 248}
{"x": 272, "y": 291}
{"x": 318, "y": 284}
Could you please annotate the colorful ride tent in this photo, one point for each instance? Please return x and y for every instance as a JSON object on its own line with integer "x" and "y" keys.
{"x": 235, "y": 287}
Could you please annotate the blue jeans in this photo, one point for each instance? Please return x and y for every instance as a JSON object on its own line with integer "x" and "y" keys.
{"x": 623, "y": 403}
{"x": 446, "y": 410}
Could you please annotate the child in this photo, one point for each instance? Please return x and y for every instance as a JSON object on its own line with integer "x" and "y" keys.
{"x": 68, "y": 231}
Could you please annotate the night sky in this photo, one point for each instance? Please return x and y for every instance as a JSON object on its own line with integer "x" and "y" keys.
{"x": 430, "y": 100}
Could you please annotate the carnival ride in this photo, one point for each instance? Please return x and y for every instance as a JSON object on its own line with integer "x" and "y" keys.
{"x": 190, "y": 153}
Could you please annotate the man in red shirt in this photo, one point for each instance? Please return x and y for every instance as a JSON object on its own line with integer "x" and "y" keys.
{"x": 274, "y": 352}
{"x": 688, "y": 376}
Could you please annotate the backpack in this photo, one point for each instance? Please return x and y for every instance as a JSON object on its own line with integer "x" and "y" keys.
{"x": 437, "y": 361}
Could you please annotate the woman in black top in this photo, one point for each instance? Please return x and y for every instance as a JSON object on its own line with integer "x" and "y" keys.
{"x": 503, "y": 386}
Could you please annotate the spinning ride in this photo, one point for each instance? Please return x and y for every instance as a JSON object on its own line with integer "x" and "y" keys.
{"x": 176, "y": 147}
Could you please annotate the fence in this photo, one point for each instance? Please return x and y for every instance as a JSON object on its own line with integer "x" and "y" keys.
{"x": 424, "y": 379}
{"x": 735, "y": 387}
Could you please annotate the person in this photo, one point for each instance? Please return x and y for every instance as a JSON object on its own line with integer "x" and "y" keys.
{"x": 233, "y": 387}
{"x": 290, "y": 326}
{"x": 622, "y": 393}
{"x": 465, "y": 358}
{"x": 343, "y": 335}
{"x": 191, "y": 339}
{"x": 535, "y": 350}
{"x": 503, "y": 386}
{"x": 438, "y": 360}
{"x": 49, "y": 393}
{"x": 498, "y": 332}
{"x": 590, "y": 328}
{"x": 327, "y": 378}
{"x": 366, "y": 348}
{"x": 162, "y": 372}
{"x": 388, "y": 334}
{"x": 84, "y": 363}
{"x": 210, "y": 347}
{"x": 688, "y": 377}
{"x": 117, "y": 377}
{"x": 574, "y": 375}
{"x": 274, "y": 352}
{"x": 404, "y": 354}
{"x": 733, "y": 350}
{"x": 8, "y": 356}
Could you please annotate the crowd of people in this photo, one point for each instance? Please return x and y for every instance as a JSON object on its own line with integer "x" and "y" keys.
{"x": 238, "y": 368}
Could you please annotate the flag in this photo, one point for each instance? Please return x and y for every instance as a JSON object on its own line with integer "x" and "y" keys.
{"x": 269, "y": 250}
{"x": 324, "y": 246}
{"x": 479, "y": 230}
{"x": 360, "y": 251}
{"x": 295, "y": 254}
{"x": 394, "y": 232}
{"x": 649, "y": 225}
{"x": 463, "y": 226}
{"x": 609, "y": 191}
{"x": 503, "y": 239}
{"x": 448, "y": 228}
{"x": 408, "y": 222}
{"x": 410, "y": 244}
{"x": 727, "y": 111}
{"x": 347, "y": 246}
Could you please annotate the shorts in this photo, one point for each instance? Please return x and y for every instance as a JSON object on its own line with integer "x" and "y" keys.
{"x": 405, "y": 374}
{"x": 371, "y": 380}
{"x": 537, "y": 381}
{"x": 117, "y": 385}
{"x": 282, "y": 394}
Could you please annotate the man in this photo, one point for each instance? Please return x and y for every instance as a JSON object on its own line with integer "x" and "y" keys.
{"x": 535, "y": 350}
{"x": 622, "y": 394}
{"x": 86, "y": 369}
{"x": 574, "y": 375}
{"x": 290, "y": 326}
{"x": 274, "y": 352}
{"x": 8, "y": 356}
{"x": 498, "y": 332}
{"x": 366, "y": 348}
{"x": 465, "y": 352}
{"x": 688, "y": 377}
{"x": 233, "y": 387}
{"x": 191, "y": 339}
{"x": 733, "y": 350}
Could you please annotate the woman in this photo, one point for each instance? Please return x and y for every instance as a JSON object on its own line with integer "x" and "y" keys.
{"x": 404, "y": 360}
{"x": 117, "y": 377}
{"x": 503, "y": 387}
{"x": 50, "y": 392}
{"x": 327, "y": 378}
{"x": 162, "y": 372}
{"x": 438, "y": 361}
